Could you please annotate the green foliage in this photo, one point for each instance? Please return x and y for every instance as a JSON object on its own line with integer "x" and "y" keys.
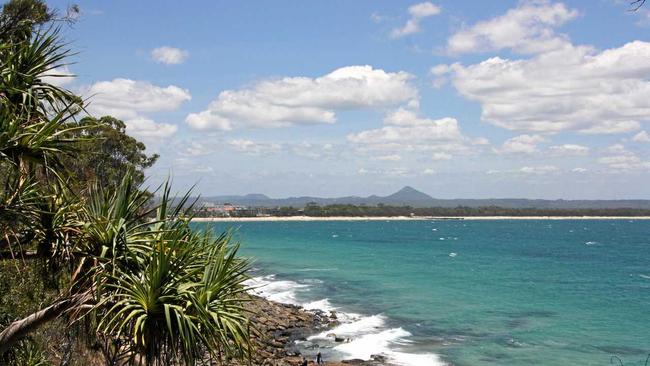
{"x": 152, "y": 290}
{"x": 108, "y": 153}
{"x": 19, "y": 18}
{"x": 29, "y": 354}
{"x": 172, "y": 294}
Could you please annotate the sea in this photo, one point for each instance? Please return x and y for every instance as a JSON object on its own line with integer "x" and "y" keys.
{"x": 462, "y": 292}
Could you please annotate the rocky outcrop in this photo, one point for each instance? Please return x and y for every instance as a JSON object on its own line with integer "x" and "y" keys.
{"x": 276, "y": 328}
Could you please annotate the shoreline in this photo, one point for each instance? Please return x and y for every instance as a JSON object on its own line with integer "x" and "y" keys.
{"x": 278, "y": 327}
{"x": 409, "y": 218}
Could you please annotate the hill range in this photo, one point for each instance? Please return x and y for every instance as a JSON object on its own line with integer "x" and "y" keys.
{"x": 409, "y": 196}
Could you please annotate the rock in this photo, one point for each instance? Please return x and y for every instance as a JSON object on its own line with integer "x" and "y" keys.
{"x": 378, "y": 358}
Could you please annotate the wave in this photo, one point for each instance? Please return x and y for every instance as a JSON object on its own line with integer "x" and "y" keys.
{"x": 268, "y": 287}
{"x": 364, "y": 335}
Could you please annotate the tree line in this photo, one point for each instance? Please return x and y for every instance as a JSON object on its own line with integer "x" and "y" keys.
{"x": 349, "y": 210}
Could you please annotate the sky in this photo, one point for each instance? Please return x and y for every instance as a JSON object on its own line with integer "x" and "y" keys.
{"x": 459, "y": 99}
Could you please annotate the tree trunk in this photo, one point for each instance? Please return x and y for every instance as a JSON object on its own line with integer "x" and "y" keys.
{"x": 20, "y": 328}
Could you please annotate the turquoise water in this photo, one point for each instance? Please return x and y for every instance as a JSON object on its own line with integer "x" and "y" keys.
{"x": 506, "y": 292}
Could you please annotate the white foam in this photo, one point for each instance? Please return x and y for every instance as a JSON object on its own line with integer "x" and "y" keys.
{"x": 644, "y": 276}
{"x": 367, "y": 335}
{"x": 323, "y": 305}
{"x": 415, "y": 359}
{"x": 382, "y": 343}
{"x": 283, "y": 291}
{"x": 356, "y": 325}
{"x": 373, "y": 343}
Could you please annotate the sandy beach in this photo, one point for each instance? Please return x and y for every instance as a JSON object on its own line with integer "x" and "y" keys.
{"x": 411, "y": 218}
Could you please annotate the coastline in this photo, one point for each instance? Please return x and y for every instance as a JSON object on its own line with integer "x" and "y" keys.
{"x": 278, "y": 326}
{"x": 409, "y": 218}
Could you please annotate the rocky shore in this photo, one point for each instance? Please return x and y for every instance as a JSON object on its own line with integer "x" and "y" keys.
{"x": 278, "y": 326}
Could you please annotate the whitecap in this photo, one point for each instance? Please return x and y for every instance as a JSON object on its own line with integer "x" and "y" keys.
{"x": 644, "y": 276}
{"x": 283, "y": 291}
{"x": 381, "y": 343}
{"x": 357, "y": 325}
{"x": 591, "y": 243}
{"x": 323, "y": 305}
{"x": 453, "y": 254}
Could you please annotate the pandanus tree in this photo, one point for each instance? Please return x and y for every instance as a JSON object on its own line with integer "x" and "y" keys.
{"x": 156, "y": 291}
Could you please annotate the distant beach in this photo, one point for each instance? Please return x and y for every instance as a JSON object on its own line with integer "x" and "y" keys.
{"x": 404, "y": 218}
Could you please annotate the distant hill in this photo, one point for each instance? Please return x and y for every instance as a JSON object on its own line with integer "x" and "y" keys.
{"x": 412, "y": 197}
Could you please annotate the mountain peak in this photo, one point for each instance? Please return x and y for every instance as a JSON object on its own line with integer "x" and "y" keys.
{"x": 409, "y": 194}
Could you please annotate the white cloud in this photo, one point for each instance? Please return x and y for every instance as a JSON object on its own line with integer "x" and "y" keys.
{"x": 169, "y": 55}
{"x": 377, "y": 18}
{"x": 405, "y": 126}
{"x": 417, "y": 13}
{"x": 438, "y": 156}
{"x": 539, "y": 170}
{"x": 528, "y": 28}
{"x": 393, "y": 157}
{"x": 622, "y": 160}
{"x": 254, "y": 148}
{"x": 573, "y": 88}
{"x": 195, "y": 148}
{"x": 126, "y": 99}
{"x": 579, "y": 170}
{"x": 404, "y": 131}
{"x": 523, "y": 144}
{"x": 568, "y": 150}
{"x": 428, "y": 171}
{"x": 145, "y": 127}
{"x": 58, "y": 76}
{"x": 302, "y": 100}
{"x": 390, "y": 173}
{"x": 641, "y": 137}
{"x": 314, "y": 150}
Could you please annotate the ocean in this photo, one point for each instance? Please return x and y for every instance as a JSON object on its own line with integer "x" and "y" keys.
{"x": 463, "y": 292}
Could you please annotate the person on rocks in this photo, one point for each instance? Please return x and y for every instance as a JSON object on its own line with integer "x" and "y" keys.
{"x": 304, "y": 361}
{"x": 319, "y": 359}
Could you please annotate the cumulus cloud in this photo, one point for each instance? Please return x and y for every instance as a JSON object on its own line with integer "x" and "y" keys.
{"x": 523, "y": 144}
{"x": 146, "y": 127}
{"x": 619, "y": 159}
{"x": 574, "y": 88}
{"x": 568, "y": 150}
{"x": 393, "y": 157}
{"x": 169, "y": 55}
{"x": 314, "y": 150}
{"x": 441, "y": 156}
{"x": 539, "y": 170}
{"x": 417, "y": 12}
{"x": 131, "y": 100}
{"x": 528, "y": 28}
{"x": 303, "y": 100}
{"x": 406, "y": 127}
{"x": 641, "y": 137}
{"x": 254, "y": 148}
{"x": 406, "y": 131}
{"x": 126, "y": 98}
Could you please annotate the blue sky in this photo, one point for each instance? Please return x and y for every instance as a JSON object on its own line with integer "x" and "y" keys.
{"x": 472, "y": 99}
